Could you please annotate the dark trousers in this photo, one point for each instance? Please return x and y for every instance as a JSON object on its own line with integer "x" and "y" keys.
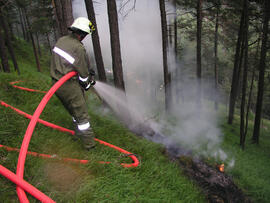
{"x": 72, "y": 97}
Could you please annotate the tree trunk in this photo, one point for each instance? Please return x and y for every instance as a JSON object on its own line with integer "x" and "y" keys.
{"x": 178, "y": 75}
{"x": 244, "y": 80}
{"x": 38, "y": 44}
{"x": 17, "y": 29}
{"x": 26, "y": 25}
{"x": 175, "y": 30}
{"x": 67, "y": 12}
{"x": 95, "y": 40}
{"x": 22, "y": 23}
{"x": 115, "y": 45}
{"x": 239, "y": 83}
{"x": 49, "y": 42}
{"x": 59, "y": 17}
{"x": 33, "y": 42}
{"x": 3, "y": 53}
{"x": 256, "y": 130}
{"x": 8, "y": 42}
{"x": 63, "y": 14}
{"x": 10, "y": 28}
{"x": 56, "y": 34}
{"x": 235, "y": 77}
{"x": 167, "y": 76}
{"x": 216, "y": 56}
{"x": 199, "y": 48}
{"x": 57, "y": 28}
{"x": 251, "y": 86}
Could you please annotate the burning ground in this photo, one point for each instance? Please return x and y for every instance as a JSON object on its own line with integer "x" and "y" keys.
{"x": 212, "y": 179}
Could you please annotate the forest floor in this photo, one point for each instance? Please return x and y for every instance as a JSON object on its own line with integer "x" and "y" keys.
{"x": 157, "y": 179}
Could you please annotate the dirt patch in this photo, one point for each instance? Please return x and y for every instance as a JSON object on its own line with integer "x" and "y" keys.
{"x": 63, "y": 177}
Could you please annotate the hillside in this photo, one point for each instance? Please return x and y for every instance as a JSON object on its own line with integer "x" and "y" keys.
{"x": 156, "y": 179}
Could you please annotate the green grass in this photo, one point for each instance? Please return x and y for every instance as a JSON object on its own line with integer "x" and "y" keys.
{"x": 155, "y": 180}
{"x": 252, "y": 167}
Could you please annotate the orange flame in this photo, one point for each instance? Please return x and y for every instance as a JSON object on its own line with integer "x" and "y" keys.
{"x": 221, "y": 167}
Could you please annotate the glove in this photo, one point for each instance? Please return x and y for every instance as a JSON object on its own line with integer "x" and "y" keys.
{"x": 93, "y": 82}
{"x": 88, "y": 86}
{"x": 85, "y": 84}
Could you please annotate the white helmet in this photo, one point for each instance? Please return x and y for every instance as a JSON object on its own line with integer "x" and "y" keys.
{"x": 82, "y": 24}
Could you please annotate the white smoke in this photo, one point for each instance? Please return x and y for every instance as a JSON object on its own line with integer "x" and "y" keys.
{"x": 141, "y": 47}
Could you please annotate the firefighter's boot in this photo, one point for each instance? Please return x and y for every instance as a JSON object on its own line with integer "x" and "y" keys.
{"x": 88, "y": 139}
{"x": 85, "y": 133}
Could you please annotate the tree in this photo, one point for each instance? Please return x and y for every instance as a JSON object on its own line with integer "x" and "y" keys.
{"x": 49, "y": 42}
{"x": 167, "y": 76}
{"x": 175, "y": 29}
{"x": 95, "y": 40}
{"x": 22, "y": 23}
{"x": 115, "y": 45}
{"x": 199, "y": 48}
{"x": 63, "y": 14}
{"x": 251, "y": 85}
{"x": 258, "y": 115}
{"x": 216, "y": 53}
{"x": 3, "y": 53}
{"x": 8, "y": 41}
{"x": 21, "y": 4}
{"x": 67, "y": 12}
{"x": 243, "y": 131}
{"x": 32, "y": 40}
{"x": 236, "y": 69}
{"x": 41, "y": 14}
{"x": 38, "y": 44}
{"x": 178, "y": 69}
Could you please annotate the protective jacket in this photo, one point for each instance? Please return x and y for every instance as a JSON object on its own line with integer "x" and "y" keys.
{"x": 69, "y": 54}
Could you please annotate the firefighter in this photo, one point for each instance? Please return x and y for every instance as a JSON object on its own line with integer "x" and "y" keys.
{"x": 68, "y": 55}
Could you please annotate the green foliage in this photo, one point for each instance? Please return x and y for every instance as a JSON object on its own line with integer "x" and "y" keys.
{"x": 41, "y": 13}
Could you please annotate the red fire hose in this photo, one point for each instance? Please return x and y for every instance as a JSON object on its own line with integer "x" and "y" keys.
{"x": 18, "y": 179}
{"x": 24, "y": 88}
{"x": 54, "y": 156}
{"x": 25, "y": 185}
{"x": 30, "y": 129}
{"x": 51, "y": 125}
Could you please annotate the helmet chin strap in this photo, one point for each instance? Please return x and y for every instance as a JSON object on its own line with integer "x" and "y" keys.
{"x": 80, "y": 37}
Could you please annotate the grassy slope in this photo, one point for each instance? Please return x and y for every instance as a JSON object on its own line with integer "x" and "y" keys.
{"x": 155, "y": 180}
{"x": 252, "y": 167}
